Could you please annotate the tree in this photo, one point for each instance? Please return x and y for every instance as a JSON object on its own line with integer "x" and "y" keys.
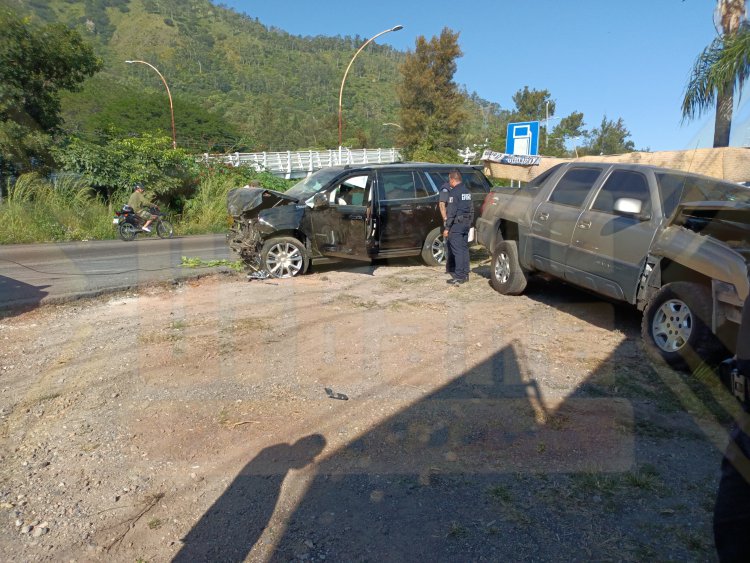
{"x": 532, "y": 105}
{"x": 610, "y": 138}
{"x": 570, "y": 127}
{"x": 722, "y": 65}
{"x": 35, "y": 64}
{"x": 100, "y": 108}
{"x": 431, "y": 103}
{"x": 123, "y": 161}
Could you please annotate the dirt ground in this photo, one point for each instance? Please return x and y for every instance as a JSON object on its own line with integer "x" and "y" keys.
{"x": 357, "y": 413}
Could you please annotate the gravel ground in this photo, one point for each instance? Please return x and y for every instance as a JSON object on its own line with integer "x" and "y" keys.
{"x": 354, "y": 414}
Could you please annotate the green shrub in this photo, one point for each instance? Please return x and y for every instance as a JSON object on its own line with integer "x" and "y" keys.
{"x": 206, "y": 210}
{"x": 68, "y": 209}
{"x": 40, "y": 210}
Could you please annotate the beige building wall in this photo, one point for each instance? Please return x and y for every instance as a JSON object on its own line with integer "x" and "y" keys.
{"x": 730, "y": 163}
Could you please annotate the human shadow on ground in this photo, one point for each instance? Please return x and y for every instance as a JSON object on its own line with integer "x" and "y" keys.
{"x": 229, "y": 529}
{"x": 488, "y": 468}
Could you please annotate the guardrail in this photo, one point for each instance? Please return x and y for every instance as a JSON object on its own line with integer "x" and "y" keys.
{"x": 296, "y": 164}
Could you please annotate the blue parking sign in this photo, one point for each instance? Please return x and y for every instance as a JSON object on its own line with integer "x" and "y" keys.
{"x": 523, "y": 138}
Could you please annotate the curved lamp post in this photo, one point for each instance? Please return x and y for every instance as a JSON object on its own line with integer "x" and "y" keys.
{"x": 365, "y": 44}
{"x": 169, "y": 95}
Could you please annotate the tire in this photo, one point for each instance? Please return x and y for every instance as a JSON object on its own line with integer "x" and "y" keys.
{"x": 164, "y": 229}
{"x": 506, "y": 275}
{"x": 676, "y": 326}
{"x": 127, "y": 231}
{"x": 284, "y": 257}
{"x": 434, "y": 248}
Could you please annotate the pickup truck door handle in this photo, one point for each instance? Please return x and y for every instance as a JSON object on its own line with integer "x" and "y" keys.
{"x": 584, "y": 225}
{"x": 543, "y": 216}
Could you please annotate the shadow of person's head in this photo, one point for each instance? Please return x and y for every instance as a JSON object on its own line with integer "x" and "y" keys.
{"x": 304, "y": 450}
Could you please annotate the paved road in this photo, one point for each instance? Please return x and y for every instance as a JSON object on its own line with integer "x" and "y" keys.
{"x": 31, "y": 274}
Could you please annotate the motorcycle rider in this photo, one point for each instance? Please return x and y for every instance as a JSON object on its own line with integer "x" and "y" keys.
{"x": 141, "y": 206}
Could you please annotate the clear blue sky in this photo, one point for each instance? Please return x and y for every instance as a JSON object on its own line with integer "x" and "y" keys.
{"x": 627, "y": 58}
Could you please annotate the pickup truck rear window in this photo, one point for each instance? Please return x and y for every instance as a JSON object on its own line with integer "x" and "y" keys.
{"x": 574, "y": 186}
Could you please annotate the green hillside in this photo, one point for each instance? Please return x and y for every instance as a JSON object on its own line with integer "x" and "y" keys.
{"x": 237, "y": 84}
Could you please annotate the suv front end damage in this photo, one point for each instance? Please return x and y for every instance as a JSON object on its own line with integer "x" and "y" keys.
{"x": 245, "y": 239}
{"x": 248, "y": 208}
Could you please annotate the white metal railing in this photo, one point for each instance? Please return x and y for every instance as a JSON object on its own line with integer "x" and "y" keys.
{"x": 295, "y": 164}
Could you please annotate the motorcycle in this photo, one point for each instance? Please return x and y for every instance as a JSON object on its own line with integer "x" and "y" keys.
{"x": 129, "y": 223}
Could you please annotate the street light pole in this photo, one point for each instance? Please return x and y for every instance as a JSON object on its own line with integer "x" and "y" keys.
{"x": 365, "y": 44}
{"x": 169, "y": 95}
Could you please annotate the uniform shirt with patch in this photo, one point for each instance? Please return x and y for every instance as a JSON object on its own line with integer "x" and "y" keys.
{"x": 459, "y": 206}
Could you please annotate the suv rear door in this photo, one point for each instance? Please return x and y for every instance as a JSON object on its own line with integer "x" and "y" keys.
{"x": 474, "y": 180}
{"x": 406, "y": 210}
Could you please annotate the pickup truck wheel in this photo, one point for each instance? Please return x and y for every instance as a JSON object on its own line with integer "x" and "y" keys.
{"x": 506, "y": 275}
{"x": 284, "y": 257}
{"x": 676, "y": 325}
{"x": 433, "y": 251}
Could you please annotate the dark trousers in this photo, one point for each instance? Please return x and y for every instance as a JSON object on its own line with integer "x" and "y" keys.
{"x": 458, "y": 247}
{"x": 732, "y": 510}
{"x": 450, "y": 260}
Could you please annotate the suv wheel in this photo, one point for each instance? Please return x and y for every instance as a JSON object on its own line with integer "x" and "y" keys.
{"x": 284, "y": 257}
{"x": 434, "y": 249}
{"x": 506, "y": 275}
{"x": 676, "y": 325}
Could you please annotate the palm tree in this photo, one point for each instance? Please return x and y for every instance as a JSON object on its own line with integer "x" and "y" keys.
{"x": 722, "y": 65}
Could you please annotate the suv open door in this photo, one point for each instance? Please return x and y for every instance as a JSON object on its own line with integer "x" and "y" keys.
{"x": 343, "y": 220}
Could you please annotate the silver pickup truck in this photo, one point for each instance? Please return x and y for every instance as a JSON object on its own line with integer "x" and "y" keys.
{"x": 674, "y": 244}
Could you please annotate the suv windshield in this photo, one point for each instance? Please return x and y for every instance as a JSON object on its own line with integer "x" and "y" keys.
{"x": 676, "y": 188}
{"x": 313, "y": 183}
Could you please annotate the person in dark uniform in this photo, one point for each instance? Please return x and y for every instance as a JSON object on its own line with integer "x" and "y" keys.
{"x": 459, "y": 217}
{"x": 450, "y": 263}
{"x": 732, "y": 510}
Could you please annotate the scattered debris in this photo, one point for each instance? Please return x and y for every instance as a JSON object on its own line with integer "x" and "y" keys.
{"x": 332, "y": 395}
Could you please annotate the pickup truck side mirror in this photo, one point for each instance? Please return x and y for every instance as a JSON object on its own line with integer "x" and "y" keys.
{"x": 631, "y": 207}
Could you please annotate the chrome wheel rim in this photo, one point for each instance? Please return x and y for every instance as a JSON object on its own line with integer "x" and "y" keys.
{"x": 284, "y": 260}
{"x": 502, "y": 267}
{"x": 672, "y": 325}
{"x": 438, "y": 249}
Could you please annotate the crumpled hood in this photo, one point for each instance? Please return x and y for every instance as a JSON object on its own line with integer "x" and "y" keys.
{"x": 242, "y": 200}
{"x": 712, "y": 238}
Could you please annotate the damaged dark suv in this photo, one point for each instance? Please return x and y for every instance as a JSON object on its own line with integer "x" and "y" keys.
{"x": 346, "y": 212}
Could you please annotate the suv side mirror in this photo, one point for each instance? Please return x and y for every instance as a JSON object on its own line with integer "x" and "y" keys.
{"x": 631, "y": 207}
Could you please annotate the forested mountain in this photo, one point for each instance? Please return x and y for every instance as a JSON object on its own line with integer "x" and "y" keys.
{"x": 236, "y": 83}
